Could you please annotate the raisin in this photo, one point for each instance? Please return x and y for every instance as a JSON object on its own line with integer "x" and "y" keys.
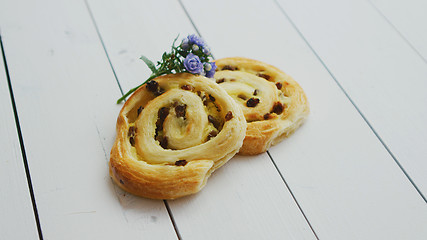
{"x": 180, "y": 110}
{"x": 212, "y": 134}
{"x": 252, "y": 102}
{"x": 277, "y": 108}
{"x": 152, "y": 86}
{"x": 181, "y": 163}
{"x": 131, "y": 132}
{"x": 132, "y": 141}
{"x": 214, "y": 122}
{"x": 159, "y": 126}
{"x": 211, "y": 98}
{"x": 267, "y": 116}
{"x": 279, "y": 85}
{"x": 241, "y": 96}
{"x": 229, "y": 67}
{"x": 139, "y": 110}
{"x": 187, "y": 87}
{"x": 163, "y": 113}
{"x": 204, "y": 99}
{"x": 164, "y": 142}
{"x": 221, "y": 80}
{"x": 256, "y": 91}
{"x": 228, "y": 116}
{"x": 159, "y": 91}
{"x": 265, "y": 76}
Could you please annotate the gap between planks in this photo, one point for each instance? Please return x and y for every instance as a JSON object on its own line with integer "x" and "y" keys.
{"x": 397, "y": 30}
{"x": 191, "y": 21}
{"x": 292, "y": 194}
{"x": 21, "y": 141}
{"x": 351, "y": 100}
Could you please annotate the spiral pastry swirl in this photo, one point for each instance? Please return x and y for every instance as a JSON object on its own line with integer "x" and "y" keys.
{"x": 172, "y": 133}
{"x": 273, "y": 103}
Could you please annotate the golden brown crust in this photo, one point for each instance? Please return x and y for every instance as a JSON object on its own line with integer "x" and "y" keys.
{"x": 142, "y": 162}
{"x": 282, "y": 106}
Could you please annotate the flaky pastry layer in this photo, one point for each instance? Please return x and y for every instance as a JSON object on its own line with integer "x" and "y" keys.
{"x": 274, "y": 104}
{"x": 172, "y": 133}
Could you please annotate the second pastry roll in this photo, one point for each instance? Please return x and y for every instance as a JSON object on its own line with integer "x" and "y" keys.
{"x": 274, "y": 104}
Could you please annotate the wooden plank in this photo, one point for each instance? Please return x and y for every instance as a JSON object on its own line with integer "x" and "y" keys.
{"x": 408, "y": 18}
{"x": 245, "y": 199}
{"x": 346, "y": 183}
{"x": 17, "y": 219}
{"x": 378, "y": 69}
{"x": 65, "y": 94}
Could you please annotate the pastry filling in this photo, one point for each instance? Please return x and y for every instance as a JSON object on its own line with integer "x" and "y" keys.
{"x": 229, "y": 67}
{"x": 174, "y": 126}
{"x": 260, "y": 94}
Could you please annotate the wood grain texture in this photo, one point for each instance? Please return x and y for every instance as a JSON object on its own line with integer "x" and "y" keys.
{"x": 344, "y": 180}
{"x": 408, "y": 18}
{"x": 381, "y": 73}
{"x": 65, "y": 93}
{"x": 246, "y": 198}
{"x": 17, "y": 219}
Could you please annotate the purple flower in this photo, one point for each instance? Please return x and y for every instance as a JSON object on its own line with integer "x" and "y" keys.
{"x": 193, "y": 64}
{"x": 185, "y": 44}
{"x": 206, "y": 50}
{"x": 194, "y": 39}
{"x": 210, "y": 68}
{"x": 195, "y": 48}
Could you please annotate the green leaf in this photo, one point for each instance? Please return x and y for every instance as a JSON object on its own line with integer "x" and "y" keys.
{"x": 173, "y": 44}
{"x": 149, "y": 63}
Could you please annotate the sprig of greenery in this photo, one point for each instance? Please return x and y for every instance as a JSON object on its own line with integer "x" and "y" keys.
{"x": 171, "y": 63}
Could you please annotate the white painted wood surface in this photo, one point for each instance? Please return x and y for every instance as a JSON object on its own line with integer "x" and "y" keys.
{"x": 377, "y": 68}
{"x": 247, "y": 199}
{"x": 17, "y": 219}
{"x": 65, "y": 90}
{"x": 340, "y": 179}
{"x": 409, "y": 19}
{"x": 345, "y": 181}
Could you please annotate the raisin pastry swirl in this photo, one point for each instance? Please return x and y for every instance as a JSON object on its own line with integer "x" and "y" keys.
{"x": 273, "y": 103}
{"x": 172, "y": 133}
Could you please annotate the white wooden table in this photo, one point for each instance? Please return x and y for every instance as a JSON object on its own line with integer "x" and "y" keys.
{"x": 357, "y": 169}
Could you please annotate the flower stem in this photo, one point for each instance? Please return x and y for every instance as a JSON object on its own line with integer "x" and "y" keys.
{"x": 135, "y": 88}
{"x": 128, "y": 93}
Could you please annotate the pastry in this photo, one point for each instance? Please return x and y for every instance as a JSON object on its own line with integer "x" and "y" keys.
{"x": 172, "y": 133}
{"x": 273, "y": 102}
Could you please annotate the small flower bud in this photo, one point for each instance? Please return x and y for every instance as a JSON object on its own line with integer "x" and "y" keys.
{"x": 208, "y": 67}
{"x": 211, "y": 72}
{"x": 185, "y": 46}
{"x": 195, "y": 47}
{"x": 206, "y": 51}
